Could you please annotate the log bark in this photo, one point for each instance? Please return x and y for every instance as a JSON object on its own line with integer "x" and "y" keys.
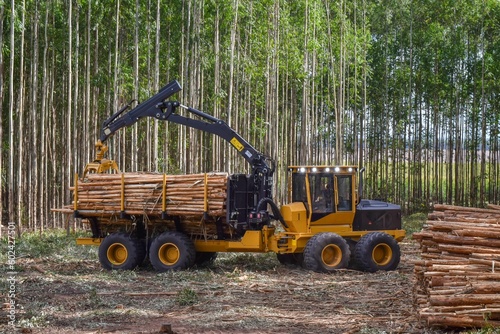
{"x": 107, "y": 196}
{"x": 458, "y": 274}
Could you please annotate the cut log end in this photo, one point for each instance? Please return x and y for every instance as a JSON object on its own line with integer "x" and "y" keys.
{"x": 456, "y": 278}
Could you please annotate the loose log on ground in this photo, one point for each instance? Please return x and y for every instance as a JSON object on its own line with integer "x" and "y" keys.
{"x": 458, "y": 321}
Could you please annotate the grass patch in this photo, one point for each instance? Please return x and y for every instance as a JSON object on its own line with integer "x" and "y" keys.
{"x": 182, "y": 276}
{"x": 186, "y": 297}
{"x": 248, "y": 261}
{"x": 53, "y": 242}
{"x": 486, "y": 330}
{"x": 414, "y": 223}
{"x": 122, "y": 276}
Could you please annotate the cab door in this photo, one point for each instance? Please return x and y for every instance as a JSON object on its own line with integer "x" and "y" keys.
{"x": 343, "y": 195}
{"x": 342, "y": 211}
{"x": 327, "y": 195}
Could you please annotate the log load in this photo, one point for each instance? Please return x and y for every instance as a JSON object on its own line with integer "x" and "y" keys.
{"x": 107, "y": 196}
{"x": 458, "y": 275}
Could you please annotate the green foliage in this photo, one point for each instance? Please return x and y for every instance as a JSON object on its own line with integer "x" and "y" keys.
{"x": 119, "y": 275}
{"x": 405, "y": 82}
{"x": 248, "y": 261}
{"x": 54, "y": 243}
{"x": 95, "y": 301}
{"x": 486, "y": 330}
{"x": 186, "y": 297}
{"x": 414, "y": 223}
{"x": 369, "y": 330}
{"x": 33, "y": 321}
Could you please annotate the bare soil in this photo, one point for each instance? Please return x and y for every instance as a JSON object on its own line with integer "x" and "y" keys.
{"x": 238, "y": 293}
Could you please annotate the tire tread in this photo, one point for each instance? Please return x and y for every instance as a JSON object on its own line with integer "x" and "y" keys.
{"x": 364, "y": 247}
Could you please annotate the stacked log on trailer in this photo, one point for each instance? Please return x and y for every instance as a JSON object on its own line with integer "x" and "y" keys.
{"x": 192, "y": 197}
{"x": 458, "y": 276}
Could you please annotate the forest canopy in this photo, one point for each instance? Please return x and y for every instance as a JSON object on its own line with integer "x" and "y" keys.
{"x": 407, "y": 89}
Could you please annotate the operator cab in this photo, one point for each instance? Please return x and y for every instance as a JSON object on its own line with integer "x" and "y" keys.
{"x": 327, "y": 193}
{"x": 326, "y": 197}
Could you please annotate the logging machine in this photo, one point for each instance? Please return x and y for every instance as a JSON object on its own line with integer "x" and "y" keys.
{"x": 326, "y": 225}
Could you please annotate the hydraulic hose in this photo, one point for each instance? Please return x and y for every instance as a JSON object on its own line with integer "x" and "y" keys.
{"x": 276, "y": 211}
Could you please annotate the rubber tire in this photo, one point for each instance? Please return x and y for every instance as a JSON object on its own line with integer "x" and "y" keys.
{"x": 326, "y": 252}
{"x": 377, "y": 251}
{"x": 175, "y": 245}
{"x": 205, "y": 258}
{"x": 120, "y": 251}
{"x": 352, "y": 246}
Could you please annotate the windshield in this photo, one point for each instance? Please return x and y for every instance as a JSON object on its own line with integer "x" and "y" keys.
{"x": 322, "y": 186}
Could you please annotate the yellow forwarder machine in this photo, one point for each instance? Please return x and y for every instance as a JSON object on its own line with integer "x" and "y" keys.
{"x": 326, "y": 226}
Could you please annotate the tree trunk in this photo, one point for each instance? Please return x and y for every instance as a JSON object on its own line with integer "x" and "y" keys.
{"x": 216, "y": 141}
{"x": 33, "y": 182}
{"x": 156, "y": 84}
{"x": 20, "y": 112}
{"x": 2, "y": 203}
{"x": 134, "y": 140}
{"x": 482, "y": 178}
{"x": 69, "y": 116}
{"x": 44, "y": 196}
{"x": 12, "y": 145}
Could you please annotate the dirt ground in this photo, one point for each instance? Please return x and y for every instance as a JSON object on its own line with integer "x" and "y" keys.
{"x": 238, "y": 293}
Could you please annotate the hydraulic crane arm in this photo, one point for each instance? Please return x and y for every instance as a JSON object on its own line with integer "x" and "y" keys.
{"x": 248, "y": 195}
{"x": 146, "y": 109}
{"x": 220, "y": 128}
{"x": 158, "y": 107}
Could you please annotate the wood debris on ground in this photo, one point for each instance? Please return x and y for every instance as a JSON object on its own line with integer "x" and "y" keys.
{"x": 237, "y": 293}
{"x": 458, "y": 276}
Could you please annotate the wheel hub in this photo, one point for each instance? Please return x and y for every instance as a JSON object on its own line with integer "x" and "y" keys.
{"x": 382, "y": 254}
{"x": 169, "y": 254}
{"x": 117, "y": 254}
{"x": 331, "y": 255}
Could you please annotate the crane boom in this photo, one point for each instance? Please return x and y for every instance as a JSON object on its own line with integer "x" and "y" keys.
{"x": 158, "y": 107}
{"x": 258, "y": 184}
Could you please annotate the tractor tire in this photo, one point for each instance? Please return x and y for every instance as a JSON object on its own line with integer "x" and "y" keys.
{"x": 120, "y": 251}
{"x": 205, "y": 258}
{"x": 326, "y": 252}
{"x": 172, "y": 251}
{"x": 352, "y": 261}
{"x": 377, "y": 251}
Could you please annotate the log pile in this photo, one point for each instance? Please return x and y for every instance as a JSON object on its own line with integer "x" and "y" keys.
{"x": 106, "y": 195}
{"x": 458, "y": 276}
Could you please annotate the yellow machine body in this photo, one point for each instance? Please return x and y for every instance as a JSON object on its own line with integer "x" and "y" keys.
{"x": 304, "y": 219}
{"x": 324, "y": 221}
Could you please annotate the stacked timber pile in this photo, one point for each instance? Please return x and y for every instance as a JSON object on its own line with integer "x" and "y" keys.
{"x": 458, "y": 276}
{"x": 106, "y": 195}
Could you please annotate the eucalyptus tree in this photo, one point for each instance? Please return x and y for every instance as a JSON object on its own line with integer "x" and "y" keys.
{"x": 407, "y": 89}
{"x": 2, "y": 10}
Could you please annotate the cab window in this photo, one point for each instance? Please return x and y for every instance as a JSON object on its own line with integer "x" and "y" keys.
{"x": 321, "y": 195}
{"x": 299, "y": 193}
{"x": 321, "y": 192}
{"x": 344, "y": 186}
